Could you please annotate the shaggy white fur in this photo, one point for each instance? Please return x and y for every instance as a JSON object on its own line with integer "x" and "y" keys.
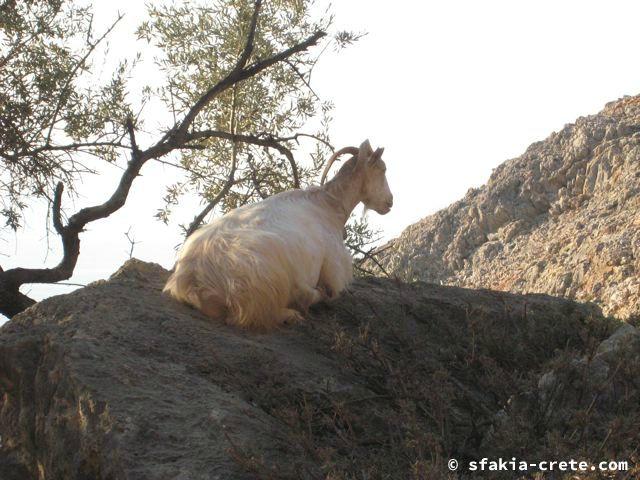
{"x": 262, "y": 264}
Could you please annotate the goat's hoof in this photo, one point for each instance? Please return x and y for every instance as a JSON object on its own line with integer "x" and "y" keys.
{"x": 327, "y": 294}
{"x": 290, "y": 316}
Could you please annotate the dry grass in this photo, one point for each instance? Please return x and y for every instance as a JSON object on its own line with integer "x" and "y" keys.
{"x": 443, "y": 380}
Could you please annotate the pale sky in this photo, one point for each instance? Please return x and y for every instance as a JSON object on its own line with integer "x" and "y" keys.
{"x": 450, "y": 89}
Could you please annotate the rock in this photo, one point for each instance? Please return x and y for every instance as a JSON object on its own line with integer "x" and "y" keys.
{"x": 626, "y": 337}
{"x": 558, "y": 390}
{"x": 116, "y": 381}
{"x": 578, "y": 191}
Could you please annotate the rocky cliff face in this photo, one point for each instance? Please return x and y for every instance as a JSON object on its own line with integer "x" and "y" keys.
{"x": 116, "y": 381}
{"x": 562, "y": 219}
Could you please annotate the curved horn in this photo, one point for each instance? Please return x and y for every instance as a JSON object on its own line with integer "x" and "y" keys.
{"x": 332, "y": 158}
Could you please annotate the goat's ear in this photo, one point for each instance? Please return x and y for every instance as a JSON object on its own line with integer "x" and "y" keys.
{"x": 376, "y": 156}
{"x": 365, "y": 151}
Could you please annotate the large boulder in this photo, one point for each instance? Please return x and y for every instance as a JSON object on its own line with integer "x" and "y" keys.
{"x": 116, "y": 381}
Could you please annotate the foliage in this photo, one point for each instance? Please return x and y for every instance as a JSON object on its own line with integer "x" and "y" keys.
{"x": 200, "y": 43}
{"x": 235, "y": 81}
{"x": 49, "y": 112}
{"x": 361, "y": 239}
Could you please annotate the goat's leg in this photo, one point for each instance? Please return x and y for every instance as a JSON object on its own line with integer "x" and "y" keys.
{"x": 326, "y": 293}
{"x": 215, "y": 311}
{"x": 334, "y": 277}
{"x": 288, "y": 315}
{"x": 305, "y": 296}
{"x": 213, "y": 307}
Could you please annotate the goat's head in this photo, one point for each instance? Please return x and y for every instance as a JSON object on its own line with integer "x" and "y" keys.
{"x": 376, "y": 194}
{"x": 367, "y": 168}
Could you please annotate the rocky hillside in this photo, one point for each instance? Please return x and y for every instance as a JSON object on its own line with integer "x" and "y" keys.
{"x": 116, "y": 381}
{"x": 562, "y": 219}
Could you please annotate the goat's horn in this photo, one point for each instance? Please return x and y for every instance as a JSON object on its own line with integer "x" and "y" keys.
{"x": 342, "y": 151}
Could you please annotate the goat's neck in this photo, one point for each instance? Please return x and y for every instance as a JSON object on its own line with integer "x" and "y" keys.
{"x": 347, "y": 195}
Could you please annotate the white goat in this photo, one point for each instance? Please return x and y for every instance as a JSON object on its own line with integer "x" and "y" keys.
{"x": 260, "y": 265}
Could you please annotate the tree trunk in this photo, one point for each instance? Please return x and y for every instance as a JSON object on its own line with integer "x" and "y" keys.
{"x": 12, "y": 301}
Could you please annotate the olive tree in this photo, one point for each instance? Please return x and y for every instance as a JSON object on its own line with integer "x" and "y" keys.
{"x": 236, "y": 89}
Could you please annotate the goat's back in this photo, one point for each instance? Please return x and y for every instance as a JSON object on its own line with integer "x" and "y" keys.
{"x": 248, "y": 264}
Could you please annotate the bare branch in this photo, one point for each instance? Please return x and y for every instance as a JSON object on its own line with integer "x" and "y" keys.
{"x": 69, "y": 284}
{"x": 369, "y": 255}
{"x": 308, "y": 135}
{"x": 302, "y": 79}
{"x": 11, "y": 280}
{"x": 181, "y": 167}
{"x": 193, "y": 147}
{"x": 132, "y": 242}
{"x": 292, "y": 162}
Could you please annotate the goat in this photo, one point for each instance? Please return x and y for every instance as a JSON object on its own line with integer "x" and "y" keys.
{"x": 261, "y": 265}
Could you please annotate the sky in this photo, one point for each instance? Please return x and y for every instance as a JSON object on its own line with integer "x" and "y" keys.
{"x": 450, "y": 89}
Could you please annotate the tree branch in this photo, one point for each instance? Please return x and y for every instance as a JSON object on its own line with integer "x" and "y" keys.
{"x": 80, "y": 63}
{"x": 56, "y": 205}
{"x": 197, "y": 221}
{"x": 369, "y": 255}
{"x": 179, "y": 132}
{"x": 302, "y": 79}
{"x": 11, "y": 280}
{"x": 233, "y": 77}
{"x": 255, "y": 180}
{"x": 132, "y": 242}
{"x": 248, "y": 47}
{"x": 268, "y": 142}
{"x": 135, "y": 151}
{"x": 259, "y": 66}
{"x": 12, "y": 301}
{"x": 14, "y": 157}
{"x": 308, "y": 135}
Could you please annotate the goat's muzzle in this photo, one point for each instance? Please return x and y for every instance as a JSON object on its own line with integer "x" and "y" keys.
{"x": 387, "y": 207}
